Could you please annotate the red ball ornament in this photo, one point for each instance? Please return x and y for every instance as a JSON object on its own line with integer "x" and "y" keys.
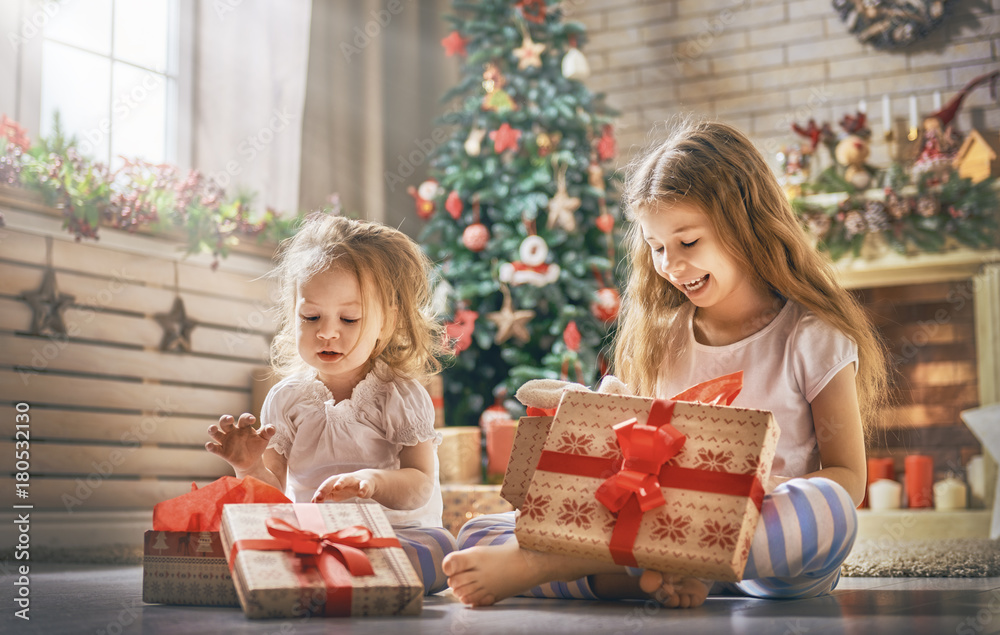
{"x": 605, "y": 307}
{"x": 605, "y": 223}
{"x": 475, "y": 237}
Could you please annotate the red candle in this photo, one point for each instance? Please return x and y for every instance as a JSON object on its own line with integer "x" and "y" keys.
{"x": 879, "y": 468}
{"x": 919, "y": 481}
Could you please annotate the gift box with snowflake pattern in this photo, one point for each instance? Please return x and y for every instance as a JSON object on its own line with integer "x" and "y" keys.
{"x": 186, "y": 567}
{"x": 666, "y": 485}
{"x": 330, "y": 559}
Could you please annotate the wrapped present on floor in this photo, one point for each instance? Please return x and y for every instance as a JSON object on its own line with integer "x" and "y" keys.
{"x": 435, "y": 388}
{"x": 183, "y": 560}
{"x": 330, "y": 559}
{"x": 460, "y": 455}
{"x": 462, "y": 503}
{"x": 669, "y": 485}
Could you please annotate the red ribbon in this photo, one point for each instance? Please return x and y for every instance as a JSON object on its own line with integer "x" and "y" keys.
{"x": 336, "y": 555}
{"x": 645, "y": 448}
{"x": 635, "y": 482}
{"x": 541, "y": 412}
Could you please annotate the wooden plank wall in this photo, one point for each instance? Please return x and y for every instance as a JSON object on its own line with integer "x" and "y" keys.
{"x": 929, "y": 330}
{"x": 115, "y": 423}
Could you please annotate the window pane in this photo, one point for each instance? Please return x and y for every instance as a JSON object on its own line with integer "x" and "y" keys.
{"x": 77, "y": 84}
{"x": 83, "y": 23}
{"x": 138, "y": 115}
{"x": 141, "y": 29}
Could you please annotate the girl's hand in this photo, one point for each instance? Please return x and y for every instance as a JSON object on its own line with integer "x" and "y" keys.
{"x": 343, "y": 487}
{"x": 238, "y": 442}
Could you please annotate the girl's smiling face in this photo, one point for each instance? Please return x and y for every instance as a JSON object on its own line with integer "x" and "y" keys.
{"x": 687, "y": 252}
{"x": 332, "y": 336}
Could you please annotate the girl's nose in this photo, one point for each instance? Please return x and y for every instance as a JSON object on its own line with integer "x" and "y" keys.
{"x": 327, "y": 330}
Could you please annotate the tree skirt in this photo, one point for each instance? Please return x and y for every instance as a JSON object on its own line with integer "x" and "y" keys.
{"x": 956, "y": 558}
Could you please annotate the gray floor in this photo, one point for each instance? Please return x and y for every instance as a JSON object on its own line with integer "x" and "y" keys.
{"x": 107, "y": 600}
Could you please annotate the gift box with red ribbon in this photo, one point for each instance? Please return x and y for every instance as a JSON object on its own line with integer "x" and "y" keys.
{"x": 330, "y": 559}
{"x": 669, "y": 485}
{"x": 183, "y": 561}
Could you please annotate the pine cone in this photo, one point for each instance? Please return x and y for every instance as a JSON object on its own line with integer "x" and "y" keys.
{"x": 854, "y": 224}
{"x": 896, "y": 206}
{"x": 876, "y": 216}
{"x": 928, "y": 205}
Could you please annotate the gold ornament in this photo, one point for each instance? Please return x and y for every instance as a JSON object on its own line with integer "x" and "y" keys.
{"x": 473, "y": 144}
{"x": 510, "y": 323}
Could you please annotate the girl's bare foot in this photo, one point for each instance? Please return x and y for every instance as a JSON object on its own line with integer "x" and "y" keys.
{"x": 674, "y": 591}
{"x": 484, "y": 575}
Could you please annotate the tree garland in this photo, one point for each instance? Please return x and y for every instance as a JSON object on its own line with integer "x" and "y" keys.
{"x": 139, "y": 195}
{"x": 910, "y": 217}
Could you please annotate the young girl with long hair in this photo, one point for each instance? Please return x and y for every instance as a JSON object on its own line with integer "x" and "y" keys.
{"x": 722, "y": 278}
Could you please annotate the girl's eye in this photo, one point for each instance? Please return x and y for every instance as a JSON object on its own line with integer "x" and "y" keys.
{"x": 309, "y": 318}
{"x": 657, "y": 250}
{"x": 690, "y": 244}
{"x": 350, "y": 320}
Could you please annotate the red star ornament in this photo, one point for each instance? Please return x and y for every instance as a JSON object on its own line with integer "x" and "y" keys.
{"x": 606, "y": 145}
{"x": 460, "y": 330}
{"x": 454, "y": 44}
{"x": 505, "y": 138}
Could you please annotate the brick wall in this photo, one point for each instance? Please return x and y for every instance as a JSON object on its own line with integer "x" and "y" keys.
{"x": 761, "y": 64}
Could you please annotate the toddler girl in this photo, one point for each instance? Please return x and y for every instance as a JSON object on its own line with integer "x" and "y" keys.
{"x": 722, "y": 278}
{"x": 350, "y": 419}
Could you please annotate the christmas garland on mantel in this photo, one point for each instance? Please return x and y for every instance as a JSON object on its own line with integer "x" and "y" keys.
{"x": 912, "y": 218}
{"x": 160, "y": 199}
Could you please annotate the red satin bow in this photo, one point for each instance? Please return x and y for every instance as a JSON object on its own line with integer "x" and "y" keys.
{"x": 344, "y": 544}
{"x": 645, "y": 448}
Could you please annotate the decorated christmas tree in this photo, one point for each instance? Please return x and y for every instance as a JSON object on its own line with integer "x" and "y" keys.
{"x": 521, "y": 208}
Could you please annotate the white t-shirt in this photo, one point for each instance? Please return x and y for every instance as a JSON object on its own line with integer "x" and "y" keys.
{"x": 320, "y": 437}
{"x": 785, "y": 365}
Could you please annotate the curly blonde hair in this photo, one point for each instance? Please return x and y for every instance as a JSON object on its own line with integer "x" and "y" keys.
{"x": 716, "y": 168}
{"x": 392, "y": 272}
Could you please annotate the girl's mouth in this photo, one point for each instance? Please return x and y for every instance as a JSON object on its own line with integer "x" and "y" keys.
{"x": 691, "y": 287}
{"x": 328, "y": 356}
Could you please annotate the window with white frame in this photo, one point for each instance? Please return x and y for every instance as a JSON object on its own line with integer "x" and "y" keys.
{"x": 111, "y": 69}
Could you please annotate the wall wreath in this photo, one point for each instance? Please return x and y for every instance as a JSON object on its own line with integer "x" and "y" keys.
{"x": 890, "y": 24}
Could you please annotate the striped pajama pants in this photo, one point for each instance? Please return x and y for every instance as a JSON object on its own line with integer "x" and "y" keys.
{"x": 426, "y": 547}
{"x": 806, "y": 530}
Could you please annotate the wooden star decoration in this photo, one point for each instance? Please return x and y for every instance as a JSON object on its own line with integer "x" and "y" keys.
{"x": 177, "y": 328}
{"x": 561, "y": 209}
{"x": 529, "y": 55}
{"x": 510, "y": 323}
{"x": 47, "y": 306}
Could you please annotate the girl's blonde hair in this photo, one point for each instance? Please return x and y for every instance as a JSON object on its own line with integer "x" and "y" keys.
{"x": 392, "y": 272}
{"x": 716, "y": 168}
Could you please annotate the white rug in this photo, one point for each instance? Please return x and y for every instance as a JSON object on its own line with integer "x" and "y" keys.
{"x": 958, "y": 558}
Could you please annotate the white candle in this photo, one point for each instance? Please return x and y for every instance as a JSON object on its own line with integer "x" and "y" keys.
{"x": 913, "y": 112}
{"x": 975, "y": 474}
{"x": 937, "y": 100}
{"x": 949, "y": 494}
{"x": 886, "y": 114}
{"x": 862, "y": 106}
{"x": 884, "y": 494}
